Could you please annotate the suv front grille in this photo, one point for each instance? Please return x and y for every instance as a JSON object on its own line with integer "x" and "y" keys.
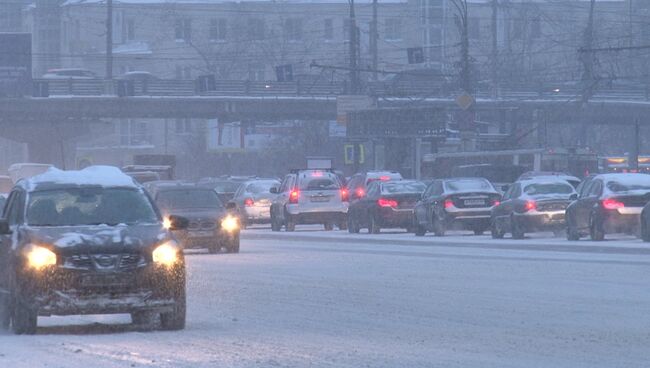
{"x": 206, "y": 224}
{"x": 112, "y": 262}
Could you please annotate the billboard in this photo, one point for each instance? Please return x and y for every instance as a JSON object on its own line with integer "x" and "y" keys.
{"x": 15, "y": 64}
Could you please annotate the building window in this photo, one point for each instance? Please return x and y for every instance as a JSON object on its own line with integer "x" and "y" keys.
{"x": 536, "y": 28}
{"x": 183, "y": 126}
{"x": 255, "y": 29}
{"x": 183, "y": 30}
{"x": 134, "y": 133}
{"x": 293, "y": 29}
{"x": 218, "y": 29}
{"x": 328, "y": 29}
{"x": 393, "y": 29}
{"x": 474, "y": 28}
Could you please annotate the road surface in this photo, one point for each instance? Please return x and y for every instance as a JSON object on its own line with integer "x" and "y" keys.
{"x": 331, "y": 299}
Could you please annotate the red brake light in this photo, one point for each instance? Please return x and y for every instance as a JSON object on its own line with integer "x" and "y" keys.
{"x": 496, "y": 203}
{"x": 360, "y": 192}
{"x": 317, "y": 174}
{"x": 449, "y": 203}
{"x": 384, "y": 178}
{"x": 383, "y": 202}
{"x": 248, "y": 202}
{"x": 345, "y": 195}
{"x": 612, "y": 204}
{"x": 530, "y": 205}
{"x": 294, "y": 196}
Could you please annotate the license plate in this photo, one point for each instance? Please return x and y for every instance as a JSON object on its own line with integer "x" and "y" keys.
{"x": 474, "y": 202}
{"x": 200, "y": 234}
{"x": 557, "y": 217}
{"x": 320, "y": 199}
{"x": 263, "y": 202}
{"x": 106, "y": 280}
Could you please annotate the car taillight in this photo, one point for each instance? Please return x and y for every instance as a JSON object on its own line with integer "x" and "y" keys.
{"x": 294, "y": 195}
{"x": 345, "y": 196}
{"x": 449, "y": 203}
{"x": 383, "y": 202}
{"x": 360, "y": 192}
{"x": 612, "y": 204}
{"x": 530, "y": 205}
{"x": 249, "y": 202}
{"x": 384, "y": 178}
{"x": 496, "y": 202}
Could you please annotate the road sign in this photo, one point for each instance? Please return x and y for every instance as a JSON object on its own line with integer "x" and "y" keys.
{"x": 348, "y": 151}
{"x": 465, "y": 101}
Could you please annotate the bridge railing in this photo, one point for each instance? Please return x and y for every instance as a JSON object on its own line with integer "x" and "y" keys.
{"x": 415, "y": 89}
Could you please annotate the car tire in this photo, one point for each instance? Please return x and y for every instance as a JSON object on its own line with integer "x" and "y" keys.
{"x": 289, "y": 222}
{"x": 645, "y": 232}
{"x": 343, "y": 225}
{"x": 353, "y": 225}
{"x": 24, "y": 319}
{"x": 515, "y": 229}
{"x": 439, "y": 228}
{"x": 175, "y": 320}
{"x": 420, "y": 230}
{"x": 496, "y": 231}
{"x": 234, "y": 244}
{"x": 275, "y": 224}
{"x": 374, "y": 227}
{"x": 596, "y": 232}
{"x": 572, "y": 233}
{"x": 328, "y": 226}
{"x": 5, "y": 311}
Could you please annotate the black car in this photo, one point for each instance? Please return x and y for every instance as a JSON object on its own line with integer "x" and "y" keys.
{"x": 461, "y": 203}
{"x": 211, "y": 224}
{"x": 358, "y": 184}
{"x": 608, "y": 203}
{"x": 72, "y": 244}
{"x": 530, "y": 205}
{"x": 388, "y": 204}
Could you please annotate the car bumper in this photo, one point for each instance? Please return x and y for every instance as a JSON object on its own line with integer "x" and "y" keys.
{"x": 201, "y": 239}
{"x": 58, "y": 291}
{"x": 540, "y": 221}
{"x": 624, "y": 220}
{"x": 468, "y": 217}
{"x": 390, "y": 217}
{"x": 319, "y": 217}
{"x": 257, "y": 214}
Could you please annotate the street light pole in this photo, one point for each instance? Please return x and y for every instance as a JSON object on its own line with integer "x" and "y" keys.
{"x": 109, "y": 39}
{"x": 354, "y": 72}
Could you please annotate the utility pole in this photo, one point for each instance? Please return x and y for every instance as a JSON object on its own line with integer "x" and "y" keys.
{"x": 354, "y": 72}
{"x": 374, "y": 38}
{"x": 588, "y": 81}
{"x": 462, "y": 22}
{"x": 495, "y": 50}
{"x": 109, "y": 39}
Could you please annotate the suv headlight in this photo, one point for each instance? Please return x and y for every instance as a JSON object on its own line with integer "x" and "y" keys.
{"x": 39, "y": 257}
{"x": 230, "y": 223}
{"x": 166, "y": 253}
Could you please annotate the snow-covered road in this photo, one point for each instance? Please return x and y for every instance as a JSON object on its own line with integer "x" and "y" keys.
{"x": 317, "y": 299}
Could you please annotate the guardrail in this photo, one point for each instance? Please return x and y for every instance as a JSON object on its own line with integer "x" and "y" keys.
{"x": 415, "y": 89}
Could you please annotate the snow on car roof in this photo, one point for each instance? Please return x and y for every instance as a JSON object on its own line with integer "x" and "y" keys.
{"x": 626, "y": 178}
{"x": 106, "y": 176}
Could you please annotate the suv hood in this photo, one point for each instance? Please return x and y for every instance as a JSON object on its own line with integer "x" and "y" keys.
{"x": 68, "y": 240}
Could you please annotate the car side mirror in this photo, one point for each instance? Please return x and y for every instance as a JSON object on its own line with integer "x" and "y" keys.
{"x": 573, "y": 197}
{"x": 4, "y": 227}
{"x": 178, "y": 223}
{"x": 274, "y": 190}
{"x": 231, "y": 206}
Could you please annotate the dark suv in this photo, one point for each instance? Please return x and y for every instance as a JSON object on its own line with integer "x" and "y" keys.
{"x": 73, "y": 244}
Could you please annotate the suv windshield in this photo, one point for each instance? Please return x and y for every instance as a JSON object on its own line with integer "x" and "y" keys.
{"x": 188, "y": 198}
{"x": 89, "y": 206}
{"x": 548, "y": 188}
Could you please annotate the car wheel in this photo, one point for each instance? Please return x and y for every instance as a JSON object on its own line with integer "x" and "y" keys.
{"x": 290, "y": 224}
{"x": 374, "y": 227}
{"x": 515, "y": 228}
{"x": 343, "y": 225}
{"x": 496, "y": 231}
{"x": 234, "y": 244}
{"x": 596, "y": 232}
{"x": 353, "y": 225}
{"x": 24, "y": 319}
{"x": 5, "y": 311}
{"x": 645, "y": 232}
{"x": 420, "y": 230}
{"x": 329, "y": 226}
{"x": 572, "y": 233}
{"x": 439, "y": 227}
{"x": 175, "y": 320}
{"x": 275, "y": 224}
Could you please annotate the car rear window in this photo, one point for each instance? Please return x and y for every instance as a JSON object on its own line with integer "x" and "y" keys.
{"x": 632, "y": 183}
{"x": 402, "y": 187}
{"x": 468, "y": 185}
{"x": 261, "y": 187}
{"x": 322, "y": 183}
{"x": 548, "y": 188}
